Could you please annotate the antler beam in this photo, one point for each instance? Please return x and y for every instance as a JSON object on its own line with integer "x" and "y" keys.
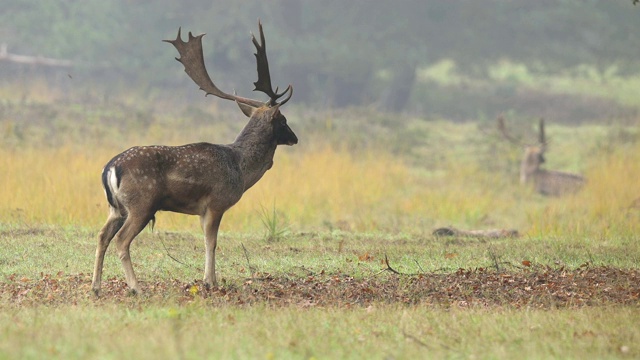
{"x": 191, "y": 56}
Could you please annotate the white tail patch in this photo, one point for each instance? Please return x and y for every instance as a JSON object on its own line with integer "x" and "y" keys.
{"x": 112, "y": 181}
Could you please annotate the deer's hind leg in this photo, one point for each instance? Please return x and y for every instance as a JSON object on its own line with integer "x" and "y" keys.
{"x": 132, "y": 226}
{"x": 109, "y": 230}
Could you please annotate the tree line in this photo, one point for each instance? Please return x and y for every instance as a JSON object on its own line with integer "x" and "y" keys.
{"x": 335, "y": 52}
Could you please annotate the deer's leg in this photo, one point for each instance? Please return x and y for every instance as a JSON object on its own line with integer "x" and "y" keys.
{"x": 114, "y": 223}
{"x": 131, "y": 227}
{"x": 210, "y": 224}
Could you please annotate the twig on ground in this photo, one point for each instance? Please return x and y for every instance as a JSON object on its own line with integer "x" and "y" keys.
{"x": 246, "y": 256}
{"x": 422, "y": 343}
{"x": 169, "y": 254}
{"x": 415, "y": 339}
{"x": 389, "y": 268}
{"x": 494, "y": 257}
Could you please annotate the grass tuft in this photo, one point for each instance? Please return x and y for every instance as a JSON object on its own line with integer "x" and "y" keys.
{"x": 276, "y": 227}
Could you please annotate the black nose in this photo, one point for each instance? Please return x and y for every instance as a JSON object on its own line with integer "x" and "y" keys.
{"x": 289, "y": 137}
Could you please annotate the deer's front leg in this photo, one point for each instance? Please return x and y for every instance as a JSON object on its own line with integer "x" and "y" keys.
{"x": 210, "y": 224}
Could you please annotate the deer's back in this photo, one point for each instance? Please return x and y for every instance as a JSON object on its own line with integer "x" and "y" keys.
{"x": 184, "y": 178}
{"x": 557, "y": 183}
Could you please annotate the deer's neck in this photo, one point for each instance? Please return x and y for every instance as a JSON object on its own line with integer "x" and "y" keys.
{"x": 529, "y": 168}
{"x": 256, "y": 150}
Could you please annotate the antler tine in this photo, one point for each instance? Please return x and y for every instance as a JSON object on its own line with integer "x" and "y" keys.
{"x": 191, "y": 56}
{"x": 541, "y": 137}
{"x": 290, "y": 90}
{"x": 503, "y": 131}
{"x": 264, "y": 78}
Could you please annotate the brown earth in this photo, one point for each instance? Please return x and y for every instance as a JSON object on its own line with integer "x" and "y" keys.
{"x": 532, "y": 286}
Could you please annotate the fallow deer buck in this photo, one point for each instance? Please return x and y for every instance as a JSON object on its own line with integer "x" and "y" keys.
{"x": 545, "y": 182}
{"x": 197, "y": 179}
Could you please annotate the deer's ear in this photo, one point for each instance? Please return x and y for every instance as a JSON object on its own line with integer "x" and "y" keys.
{"x": 274, "y": 112}
{"x": 246, "y": 109}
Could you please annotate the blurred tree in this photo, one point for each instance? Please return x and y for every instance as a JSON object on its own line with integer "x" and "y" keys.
{"x": 334, "y": 52}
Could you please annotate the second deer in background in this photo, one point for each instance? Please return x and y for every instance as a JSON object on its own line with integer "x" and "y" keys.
{"x": 545, "y": 182}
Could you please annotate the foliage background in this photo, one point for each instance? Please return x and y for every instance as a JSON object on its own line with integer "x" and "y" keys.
{"x": 337, "y": 53}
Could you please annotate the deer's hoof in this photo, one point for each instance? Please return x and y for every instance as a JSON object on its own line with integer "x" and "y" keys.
{"x": 133, "y": 292}
{"x": 210, "y": 286}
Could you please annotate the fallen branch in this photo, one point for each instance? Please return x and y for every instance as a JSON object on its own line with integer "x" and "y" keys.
{"x": 477, "y": 234}
{"x": 32, "y": 60}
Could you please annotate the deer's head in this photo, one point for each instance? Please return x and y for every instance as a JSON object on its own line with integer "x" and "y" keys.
{"x": 533, "y": 156}
{"x": 268, "y": 119}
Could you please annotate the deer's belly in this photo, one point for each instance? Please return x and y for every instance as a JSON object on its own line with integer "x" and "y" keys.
{"x": 195, "y": 200}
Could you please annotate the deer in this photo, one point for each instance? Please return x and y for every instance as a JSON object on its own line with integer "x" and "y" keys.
{"x": 200, "y": 179}
{"x": 545, "y": 182}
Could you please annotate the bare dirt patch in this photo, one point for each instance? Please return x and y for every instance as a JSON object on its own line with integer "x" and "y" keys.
{"x": 541, "y": 287}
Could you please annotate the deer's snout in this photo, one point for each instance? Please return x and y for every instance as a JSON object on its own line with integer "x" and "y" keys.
{"x": 287, "y": 137}
{"x": 294, "y": 139}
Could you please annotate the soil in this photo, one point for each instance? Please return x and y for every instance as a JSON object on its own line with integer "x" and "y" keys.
{"x": 530, "y": 286}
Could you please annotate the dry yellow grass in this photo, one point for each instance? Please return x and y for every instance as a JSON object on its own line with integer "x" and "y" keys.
{"x": 58, "y": 186}
{"x": 324, "y": 187}
{"x": 62, "y": 186}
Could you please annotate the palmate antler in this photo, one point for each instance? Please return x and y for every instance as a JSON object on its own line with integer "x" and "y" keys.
{"x": 264, "y": 79}
{"x": 502, "y": 128}
{"x": 191, "y": 56}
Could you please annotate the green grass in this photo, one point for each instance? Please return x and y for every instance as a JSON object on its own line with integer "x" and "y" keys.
{"x": 164, "y": 327}
{"x": 71, "y": 251}
{"x": 377, "y": 332}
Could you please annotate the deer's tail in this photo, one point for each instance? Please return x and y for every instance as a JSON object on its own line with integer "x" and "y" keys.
{"x": 111, "y": 182}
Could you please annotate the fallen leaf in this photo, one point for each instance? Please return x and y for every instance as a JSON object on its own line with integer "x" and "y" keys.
{"x": 365, "y": 257}
{"x": 193, "y": 290}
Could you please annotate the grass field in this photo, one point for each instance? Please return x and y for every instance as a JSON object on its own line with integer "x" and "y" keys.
{"x": 324, "y": 295}
{"x": 331, "y": 254}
